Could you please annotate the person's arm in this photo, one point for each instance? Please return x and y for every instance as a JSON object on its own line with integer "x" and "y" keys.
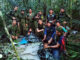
{"x": 53, "y": 34}
{"x": 65, "y": 31}
{"x": 54, "y": 19}
{"x": 50, "y": 40}
{"x": 41, "y": 30}
{"x": 26, "y": 21}
{"x": 55, "y": 46}
{"x": 45, "y": 33}
{"x": 44, "y": 38}
{"x": 59, "y": 42}
{"x": 37, "y": 30}
{"x": 52, "y": 37}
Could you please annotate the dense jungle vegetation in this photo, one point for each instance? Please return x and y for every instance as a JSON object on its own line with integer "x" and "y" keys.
{"x": 72, "y": 8}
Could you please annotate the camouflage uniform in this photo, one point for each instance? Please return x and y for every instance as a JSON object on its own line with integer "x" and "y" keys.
{"x": 63, "y": 17}
{"x": 23, "y": 22}
{"x": 14, "y": 14}
{"x": 31, "y": 21}
{"x": 13, "y": 30}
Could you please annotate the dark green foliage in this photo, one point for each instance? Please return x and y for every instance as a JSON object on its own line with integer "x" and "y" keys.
{"x": 72, "y": 8}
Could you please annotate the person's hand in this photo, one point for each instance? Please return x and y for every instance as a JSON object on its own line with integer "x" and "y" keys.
{"x": 43, "y": 39}
{"x": 38, "y": 30}
{"x": 42, "y": 29}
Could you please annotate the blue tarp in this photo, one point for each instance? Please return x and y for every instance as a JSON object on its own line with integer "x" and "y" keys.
{"x": 23, "y": 41}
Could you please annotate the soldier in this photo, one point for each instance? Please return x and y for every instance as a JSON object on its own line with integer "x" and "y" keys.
{"x": 13, "y": 29}
{"x": 31, "y": 21}
{"x": 63, "y": 16}
{"x": 39, "y": 15}
{"x": 23, "y": 22}
{"x": 14, "y": 13}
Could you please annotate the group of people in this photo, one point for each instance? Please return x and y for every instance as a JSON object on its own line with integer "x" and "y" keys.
{"x": 51, "y": 30}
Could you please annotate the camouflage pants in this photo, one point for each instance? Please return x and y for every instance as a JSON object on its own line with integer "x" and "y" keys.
{"x": 23, "y": 29}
